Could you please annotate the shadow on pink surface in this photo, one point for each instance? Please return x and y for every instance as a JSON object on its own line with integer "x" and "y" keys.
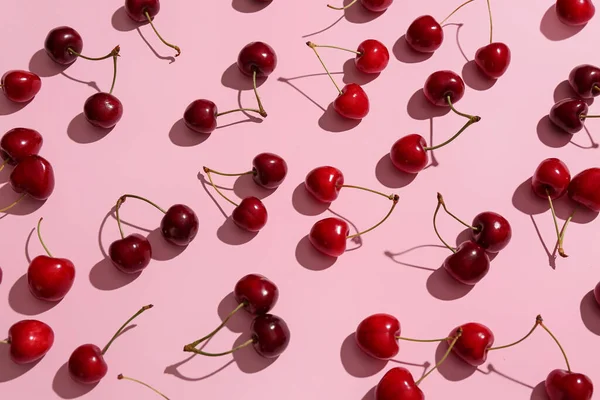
{"x": 22, "y": 301}
{"x": 370, "y": 395}
{"x": 249, "y": 6}
{"x": 8, "y": 107}
{"x": 453, "y": 369}
{"x": 404, "y": 53}
{"x": 91, "y": 84}
{"x": 550, "y": 135}
{"x": 357, "y": 363}
{"x": 305, "y": 203}
{"x": 333, "y": 122}
{"x": 553, "y": 29}
{"x": 474, "y": 78}
{"x": 357, "y": 14}
{"x": 41, "y": 64}
{"x": 10, "y": 370}
{"x": 240, "y": 321}
{"x": 389, "y": 176}
{"x": 419, "y": 108}
{"x": 539, "y": 392}
{"x": 310, "y": 258}
{"x": 590, "y": 313}
{"x": 24, "y": 207}
{"x": 244, "y": 186}
{"x": 564, "y": 91}
{"x": 67, "y": 388}
{"x": 234, "y": 79}
{"x": 353, "y": 75}
{"x": 182, "y": 136}
{"x": 82, "y": 132}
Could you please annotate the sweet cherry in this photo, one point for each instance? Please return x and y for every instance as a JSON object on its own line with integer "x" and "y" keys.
{"x": 257, "y": 60}
{"x": 63, "y": 45}
{"x": 103, "y": 110}
{"x": 270, "y": 335}
{"x": 575, "y": 12}
{"x": 585, "y": 189}
{"x": 569, "y": 114}
{"x": 493, "y": 59}
{"x": 257, "y": 294}
{"x": 29, "y": 341}
{"x": 33, "y": 176}
{"x": 474, "y": 344}
{"x": 561, "y": 384}
{"x": 324, "y": 183}
{"x": 20, "y": 86}
{"x": 19, "y": 143}
{"x": 444, "y": 88}
{"x": 377, "y": 335}
{"x": 329, "y": 236}
{"x": 585, "y": 80}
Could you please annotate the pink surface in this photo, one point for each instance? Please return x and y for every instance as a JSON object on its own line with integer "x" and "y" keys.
{"x": 150, "y": 153}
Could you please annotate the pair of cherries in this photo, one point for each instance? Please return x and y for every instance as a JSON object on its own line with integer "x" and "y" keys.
{"x": 268, "y": 171}
{"x": 270, "y": 334}
{"x": 329, "y": 235}
{"x": 132, "y": 253}
{"x": 255, "y": 60}
{"x": 442, "y": 89}
{"x": 33, "y": 175}
{"x": 20, "y": 86}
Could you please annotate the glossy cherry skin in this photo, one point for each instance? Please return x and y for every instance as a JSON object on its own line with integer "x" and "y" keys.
{"x": 425, "y": 34}
{"x": 179, "y": 225}
{"x": 259, "y": 57}
{"x": 258, "y": 294}
{"x": 597, "y": 293}
{"x": 585, "y": 188}
{"x": 329, "y": 236}
{"x": 29, "y": 341}
{"x": 352, "y": 103}
{"x": 551, "y": 178}
{"x": 103, "y": 110}
{"x": 376, "y": 5}
{"x": 575, "y": 12}
{"x": 442, "y": 84}
{"x": 201, "y": 116}
{"x": 20, "y": 86}
{"x": 373, "y": 58}
{"x": 376, "y": 336}
{"x": 469, "y": 264}
{"x": 473, "y": 345}
{"x": 87, "y": 365}
{"x": 19, "y": 143}
{"x": 271, "y": 335}
{"x": 250, "y": 215}
{"x": 59, "y": 41}
{"x": 408, "y": 154}
{"x": 131, "y": 254}
{"x": 493, "y": 231}
{"x": 585, "y": 80}
{"x": 398, "y": 384}
{"x": 565, "y": 385}
{"x": 493, "y": 60}
{"x": 269, "y": 170}
{"x": 50, "y": 278}
{"x": 136, "y": 9}
{"x": 34, "y": 175}
{"x": 324, "y": 183}
{"x": 566, "y": 114}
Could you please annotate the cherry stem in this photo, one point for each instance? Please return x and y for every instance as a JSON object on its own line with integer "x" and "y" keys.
{"x": 338, "y": 48}
{"x": 472, "y": 119}
{"x": 538, "y": 321}
{"x": 440, "y": 198}
{"x": 141, "y": 310}
{"x": 207, "y": 171}
{"x": 5, "y": 209}
{"x": 113, "y": 52}
{"x": 224, "y": 174}
{"x": 6, "y": 341}
{"x": 342, "y": 8}
{"x": 387, "y": 196}
{"x": 40, "y": 238}
{"x": 558, "y": 236}
{"x": 558, "y": 343}
{"x": 437, "y": 209}
{"x": 261, "y": 109}
{"x": 422, "y": 340}
{"x": 254, "y": 110}
{"x": 595, "y": 87}
{"x": 241, "y": 346}
{"x": 5, "y": 161}
{"x": 120, "y": 201}
{"x": 195, "y": 344}
{"x": 458, "y": 335}
{"x": 176, "y": 48}
{"x": 133, "y": 196}
{"x": 584, "y": 116}
{"x": 313, "y": 46}
{"x": 394, "y": 202}
{"x": 561, "y": 236}
{"x": 491, "y": 24}
{"x": 112, "y": 86}
{"x": 121, "y": 376}
{"x": 453, "y": 12}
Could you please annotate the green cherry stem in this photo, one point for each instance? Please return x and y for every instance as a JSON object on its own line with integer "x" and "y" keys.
{"x": 114, "y": 80}
{"x": 313, "y": 46}
{"x": 141, "y": 310}
{"x": 437, "y": 209}
{"x": 561, "y": 236}
{"x": 133, "y": 196}
{"x": 195, "y": 344}
{"x": 394, "y": 202}
{"x": 455, "y": 10}
{"x": 489, "y": 6}
{"x": 208, "y": 171}
{"x": 557, "y": 343}
{"x": 254, "y": 110}
{"x": 13, "y": 204}
{"x": 538, "y": 321}
{"x": 241, "y": 346}
{"x": 422, "y": 340}
{"x": 176, "y": 48}
{"x": 471, "y": 120}
{"x": 456, "y": 337}
{"x": 112, "y": 53}
{"x": 441, "y": 199}
{"x": 387, "y": 196}
{"x": 117, "y": 208}
{"x": 261, "y": 109}
{"x": 6, "y": 341}
{"x": 337, "y": 48}
{"x": 121, "y": 377}
{"x": 40, "y": 238}
{"x": 559, "y": 239}
{"x": 342, "y": 8}
{"x": 225, "y": 174}
{"x": 5, "y": 161}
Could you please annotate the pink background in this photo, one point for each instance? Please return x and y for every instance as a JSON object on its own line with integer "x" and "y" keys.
{"x": 150, "y": 153}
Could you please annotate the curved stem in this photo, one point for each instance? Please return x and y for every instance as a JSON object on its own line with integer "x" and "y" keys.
{"x": 558, "y": 344}
{"x": 313, "y": 46}
{"x": 254, "y": 110}
{"x": 241, "y": 346}
{"x": 224, "y": 174}
{"x": 121, "y": 376}
{"x": 5, "y": 209}
{"x": 476, "y": 229}
{"x": 458, "y": 335}
{"x": 388, "y": 196}
{"x": 558, "y": 238}
{"x": 394, "y": 202}
{"x": 489, "y": 6}
{"x": 338, "y": 48}
{"x": 133, "y": 196}
{"x": 117, "y": 207}
{"x": 561, "y": 236}
{"x": 112, "y": 86}
{"x": 113, "y": 52}
{"x": 421, "y": 340}
{"x": 214, "y": 332}
{"x": 40, "y": 238}
{"x": 538, "y": 321}
{"x": 471, "y": 121}
{"x": 437, "y": 209}
{"x": 207, "y": 171}
{"x": 342, "y": 8}
{"x": 453, "y": 12}
{"x": 261, "y": 109}
{"x": 176, "y": 48}
{"x": 134, "y": 316}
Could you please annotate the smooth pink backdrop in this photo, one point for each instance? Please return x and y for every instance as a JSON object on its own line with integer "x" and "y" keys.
{"x": 150, "y": 153}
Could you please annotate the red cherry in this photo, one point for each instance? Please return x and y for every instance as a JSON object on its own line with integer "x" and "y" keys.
{"x": 62, "y": 43}
{"x": 551, "y": 178}
{"x": 398, "y": 384}
{"x": 567, "y": 114}
{"x": 575, "y": 12}
{"x": 258, "y": 294}
{"x": 492, "y": 233}
{"x": 329, "y": 236}
{"x": 377, "y": 335}
{"x": 270, "y": 334}
{"x": 565, "y": 385}
{"x": 585, "y": 80}
{"x": 473, "y": 345}
{"x": 493, "y": 60}
{"x": 376, "y": 5}
{"x": 201, "y": 116}
{"x": 425, "y": 34}
{"x": 408, "y": 154}
{"x": 29, "y": 341}
{"x": 136, "y": 9}
{"x": 373, "y": 57}
{"x": 19, "y": 143}
{"x": 20, "y": 86}
{"x": 443, "y": 84}
{"x": 324, "y": 183}
{"x": 103, "y": 110}
{"x": 352, "y": 102}
{"x": 33, "y": 176}
{"x": 585, "y": 188}
{"x": 131, "y": 254}
{"x": 469, "y": 264}
{"x": 257, "y": 57}
{"x": 269, "y": 170}
{"x": 250, "y": 214}
{"x": 179, "y": 225}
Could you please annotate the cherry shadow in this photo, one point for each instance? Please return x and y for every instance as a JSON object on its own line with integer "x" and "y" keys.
{"x": 182, "y": 136}
{"x": 310, "y": 258}
{"x": 105, "y": 276}
{"x": 121, "y": 21}
{"x": 564, "y": 91}
{"x": 247, "y": 359}
{"x": 539, "y": 392}
{"x": 475, "y": 79}
{"x": 420, "y": 108}
{"x": 565, "y": 206}
{"x": 370, "y": 395}
{"x": 91, "y": 84}
{"x": 333, "y": 122}
{"x": 41, "y": 64}
{"x": 324, "y": 29}
{"x": 24, "y": 207}
{"x": 453, "y": 369}
{"x": 389, "y": 176}
{"x": 356, "y": 14}
{"x": 161, "y": 249}
{"x": 82, "y": 132}
{"x": 10, "y": 370}
{"x": 353, "y": 75}
{"x": 356, "y": 362}
{"x": 406, "y": 54}
{"x": 249, "y": 6}
{"x": 173, "y": 369}
{"x": 5, "y": 173}
{"x": 65, "y": 387}
{"x": 527, "y": 202}
{"x": 229, "y": 233}
{"x": 234, "y": 79}
{"x": 553, "y": 29}
{"x": 296, "y": 88}
{"x": 590, "y": 313}
{"x": 8, "y": 107}
{"x": 22, "y": 301}
{"x": 305, "y": 203}
{"x": 394, "y": 256}
{"x": 443, "y": 287}
{"x": 551, "y": 255}
{"x": 493, "y": 370}
{"x": 551, "y": 135}
{"x": 240, "y": 321}
{"x": 171, "y": 59}
{"x": 244, "y": 186}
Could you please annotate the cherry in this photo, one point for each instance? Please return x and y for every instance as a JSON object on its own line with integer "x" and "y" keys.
{"x": 329, "y": 236}
{"x": 443, "y": 88}
{"x": 575, "y": 12}
{"x": 146, "y": 10}
{"x": 29, "y": 341}
{"x": 50, "y": 278}
{"x": 270, "y": 335}
{"x": 201, "y": 115}
{"x": 409, "y": 154}
{"x": 63, "y": 45}
{"x": 257, "y": 60}
{"x": 257, "y": 294}
{"x": 19, "y": 143}
{"x": 585, "y": 189}
{"x": 324, "y": 183}
{"x": 585, "y": 80}
{"x": 468, "y": 264}
{"x": 123, "y": 377}
{"x": 372, "y": 56}
{"x": 371, "y": 5}
{"x": 491, "y": 231}
{"x": 269, "y": 170}
{"x": 179, "y": 225}
{"x": 597, "y": 293}
{"x": 87, "y": 365}
{"x": 130, "y": 254}
{"x": 377, "y": 336}
{"x": 493, "y": 59}
{"x": 474, "y": 344}
{"x": 103, "y": 110}
{"x": 561, "y": 384}
{"x": 569, "y": 114}
{"x": 20, "y": 86}
{"x": 33, "y": 176}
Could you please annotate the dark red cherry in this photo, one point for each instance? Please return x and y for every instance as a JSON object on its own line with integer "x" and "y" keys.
{"x": 352, "y": 103}
{"x": 377, "y": 335}
{"x": 408, "y": 154}
{"x": 585, "y": 188}
{"x": 20, "y": 86}
{"x": 493, "y": 60}
{"x": 131, "y": 254}
{"x": 329, "y": 236}
{"x": 425, "y": 34}
{"x": 469, "y": 264}
{"x": 443, "y": 84}
{"x": 87, "y": 365}
{"x": 29, "y": 341}
{"x": 250, "y": 214}
{"x": 103, "y": 110}
{"x": 324, "y": 183}
{"x": 34, "y": 176}
{"x": 551, "y": 178}
{"x": 271, "y": 335}
{"x": 566, "y": 385}
{"x": 473, "y": 345}
{"x": 201, "y": 116}
{"x": 575, "y": 12}
{"x": 59, "y": 41}
{"x": 493, "y": 232}
{"x": 398, "y": 384}
{"x": 373, "y": 58}
{"x": 566, "y": 114}
{"x": 585, "y": 80}
{"x": 269, "y": 170}
{"x": 179, "y": 225}
{"x": 19, "y": 143}
{"x": 376, "y": 5}
{"x": 259, "y": 57}
{"x": 258, "y": 294}
{"x": 136, "y": 9}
